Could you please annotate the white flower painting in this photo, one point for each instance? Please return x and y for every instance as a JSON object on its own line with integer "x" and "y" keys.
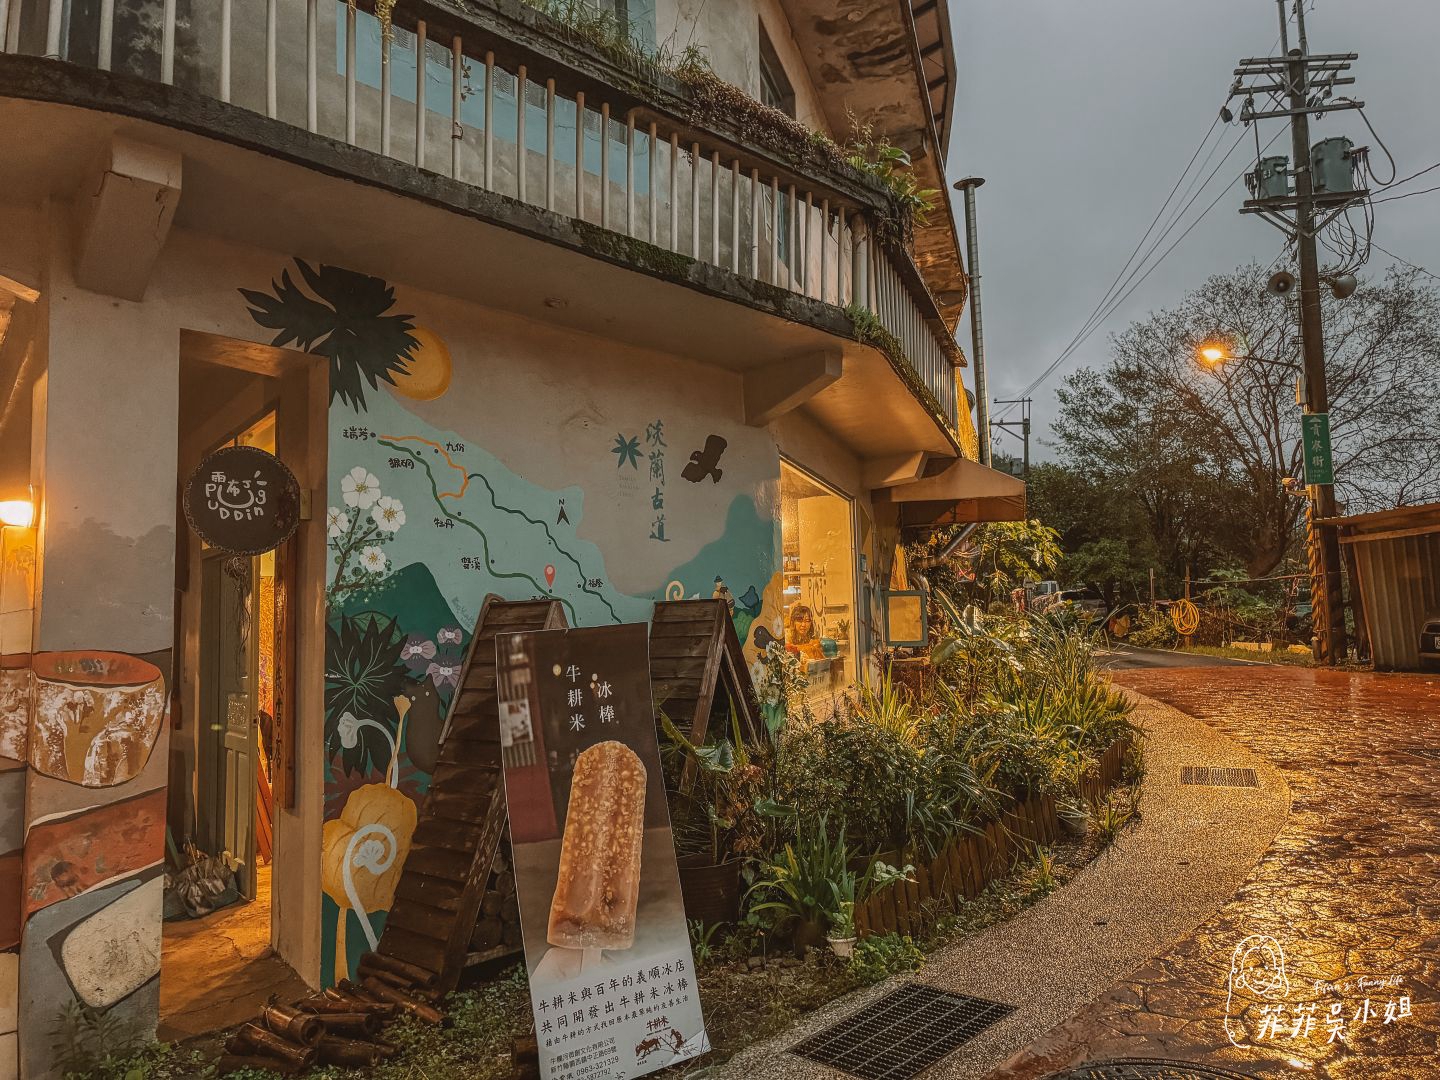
{"x": 389, "y": 514}
{"x": 360, "y": 488}
{"x": 356, "y": 538}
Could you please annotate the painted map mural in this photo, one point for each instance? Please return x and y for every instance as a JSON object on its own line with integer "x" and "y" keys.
{"x": 431, "y": 506}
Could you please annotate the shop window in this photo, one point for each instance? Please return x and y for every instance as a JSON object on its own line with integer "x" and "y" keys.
{"x": 818, "y": 537}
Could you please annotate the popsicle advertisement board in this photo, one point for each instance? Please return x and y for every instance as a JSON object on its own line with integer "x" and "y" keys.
{"x": 612, "y": 978}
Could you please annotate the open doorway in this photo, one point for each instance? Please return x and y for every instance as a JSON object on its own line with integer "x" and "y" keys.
{"x": 218, "y": 961}
{"x": 238, "y": 633}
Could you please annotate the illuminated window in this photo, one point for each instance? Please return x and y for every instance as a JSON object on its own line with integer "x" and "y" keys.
{"x": 818, "y": 534}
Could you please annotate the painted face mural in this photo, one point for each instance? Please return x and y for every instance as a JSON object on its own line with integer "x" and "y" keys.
{"x": 446, "y": 484}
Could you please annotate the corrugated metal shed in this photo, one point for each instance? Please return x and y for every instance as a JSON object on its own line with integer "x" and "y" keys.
{"x": 1398, "y": 556}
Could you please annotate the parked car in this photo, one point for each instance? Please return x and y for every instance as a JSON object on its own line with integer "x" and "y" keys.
{"x": 1430, "y": 643}
{"x": 1086, "y": 602}
{"x": 1041, "y": 594}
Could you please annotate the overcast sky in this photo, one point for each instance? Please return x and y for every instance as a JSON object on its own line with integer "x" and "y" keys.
{"x": 1081, "y": 115}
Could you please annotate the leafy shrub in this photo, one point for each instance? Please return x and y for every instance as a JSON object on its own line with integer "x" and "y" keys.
{"x": 1029, "y": 749}
{"x": 1109, "y": 818}
{"x": 852, "y": 773}
{"x": 800, "y": 883}
{"x": 1042, "y": 873}
{"x": 1153, "y": 629}
{"x": 877, "y": 958}
{"x": 721, "y": 815}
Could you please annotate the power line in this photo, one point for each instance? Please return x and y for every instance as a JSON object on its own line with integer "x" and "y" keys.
{"x": 1099, "y": 313}
{"x": 1412, "y": 176}
{"x": 1096, "y": 322}
{"x": 1405, "y": 195}
{"x": 1151, "y": 227}
{"x": 1406, "y": 262}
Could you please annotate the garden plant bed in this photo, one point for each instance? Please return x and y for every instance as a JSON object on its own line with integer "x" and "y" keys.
{"x": 896, "y": 825}
{"x": 746, "y": 1001}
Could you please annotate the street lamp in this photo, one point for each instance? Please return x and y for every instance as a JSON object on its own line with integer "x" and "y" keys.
{"x": 1212, "y": 355}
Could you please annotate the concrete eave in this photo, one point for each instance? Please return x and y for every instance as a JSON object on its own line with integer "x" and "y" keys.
{"x": 261, "y": 182}
{"x": 864, "y": 59}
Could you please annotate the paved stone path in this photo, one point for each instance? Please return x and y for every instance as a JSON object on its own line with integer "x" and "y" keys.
{"x": 1343, "y": 908}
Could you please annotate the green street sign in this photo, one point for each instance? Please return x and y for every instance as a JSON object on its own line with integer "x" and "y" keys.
{"x": 1319, "y": 466}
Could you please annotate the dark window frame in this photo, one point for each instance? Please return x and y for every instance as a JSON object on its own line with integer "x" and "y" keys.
{"x": 776, "y": 90}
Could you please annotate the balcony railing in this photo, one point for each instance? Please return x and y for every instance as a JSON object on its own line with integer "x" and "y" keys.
{"x": 462, "y": 92}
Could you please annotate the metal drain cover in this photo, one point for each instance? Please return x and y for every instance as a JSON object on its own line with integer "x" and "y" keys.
{"x": 1149, "y": 1069}
{"x": 1213, "y": 777}
{"x": 899, "y": 1035}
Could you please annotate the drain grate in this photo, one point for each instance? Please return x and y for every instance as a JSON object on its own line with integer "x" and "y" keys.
{"x": 1150, "y": 1069}
{"x": 902, "y": 1033}
{"x": 1213, "y": 777}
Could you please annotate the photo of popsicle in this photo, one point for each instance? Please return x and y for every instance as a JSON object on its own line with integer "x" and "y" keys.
{"x": 598, "y": 886}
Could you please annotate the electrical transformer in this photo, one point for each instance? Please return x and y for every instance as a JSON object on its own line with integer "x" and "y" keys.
{"x": 1272, "y": 178}
{"x": 1331, "y": 165}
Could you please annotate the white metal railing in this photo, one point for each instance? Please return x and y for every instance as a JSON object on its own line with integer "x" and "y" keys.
{"x": 449, "y": 107}
{"x": 895, "y": 307}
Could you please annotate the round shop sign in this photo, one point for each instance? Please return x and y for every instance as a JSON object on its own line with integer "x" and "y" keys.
{"x": 242, "y": 499}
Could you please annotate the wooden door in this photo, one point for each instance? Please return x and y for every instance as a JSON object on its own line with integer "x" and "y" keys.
{"x": 228, "y": 673}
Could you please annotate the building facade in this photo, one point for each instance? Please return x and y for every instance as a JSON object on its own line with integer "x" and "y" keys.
{"x": 525, "y": 310}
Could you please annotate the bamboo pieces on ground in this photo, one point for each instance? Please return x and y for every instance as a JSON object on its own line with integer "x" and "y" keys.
{"x": 338, "y": 1026}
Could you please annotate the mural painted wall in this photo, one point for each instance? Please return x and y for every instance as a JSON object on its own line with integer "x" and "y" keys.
{"x": 84, "y": 716}
{"x": 473, "y": 453}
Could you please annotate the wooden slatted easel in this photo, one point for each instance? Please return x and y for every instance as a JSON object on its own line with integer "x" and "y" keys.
{"x": 694, "y": 651}
{"x": 456, "y": 889}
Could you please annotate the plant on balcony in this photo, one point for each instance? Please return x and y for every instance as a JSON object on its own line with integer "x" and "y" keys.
{"x": 713, "y": 99}
{"x": 584, "y": 22}
{"x": 911, "y": 204}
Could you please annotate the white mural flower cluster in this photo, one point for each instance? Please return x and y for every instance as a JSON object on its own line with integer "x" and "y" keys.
{"x": 358, "y": 529}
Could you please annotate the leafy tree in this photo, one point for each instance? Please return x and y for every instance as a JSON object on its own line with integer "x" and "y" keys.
{"x": 1004, "y": 555}
{"x": 1200, "y": 457}
{"x": 1107, "y": 565}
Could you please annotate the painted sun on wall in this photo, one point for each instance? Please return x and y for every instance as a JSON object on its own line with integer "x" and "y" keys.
{"x": 430, "y": 508}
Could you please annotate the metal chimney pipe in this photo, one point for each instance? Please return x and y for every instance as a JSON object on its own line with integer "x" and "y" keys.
{"x": 977, "y": 325}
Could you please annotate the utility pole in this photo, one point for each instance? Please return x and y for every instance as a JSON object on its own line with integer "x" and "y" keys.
{"x": 1307, "y": 86}
{"x": 1023, "y": 424}
{"x": 977, "y": 327}
{"x": 1328, "y": 597}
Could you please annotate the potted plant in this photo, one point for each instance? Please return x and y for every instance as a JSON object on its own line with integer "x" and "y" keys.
{"x": 842, "y": 930}
{"x": 718, "y": 818}
{"x": 847, "y": 889}
{"x": 1074, "y": 816}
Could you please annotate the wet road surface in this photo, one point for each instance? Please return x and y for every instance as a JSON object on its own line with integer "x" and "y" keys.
{"x": 1326, "y": 961}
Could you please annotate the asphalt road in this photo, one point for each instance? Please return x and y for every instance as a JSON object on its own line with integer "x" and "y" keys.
{"x": 1130, "y": 658}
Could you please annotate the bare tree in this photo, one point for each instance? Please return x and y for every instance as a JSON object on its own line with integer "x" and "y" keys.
{"x": 1229, "y": 434}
